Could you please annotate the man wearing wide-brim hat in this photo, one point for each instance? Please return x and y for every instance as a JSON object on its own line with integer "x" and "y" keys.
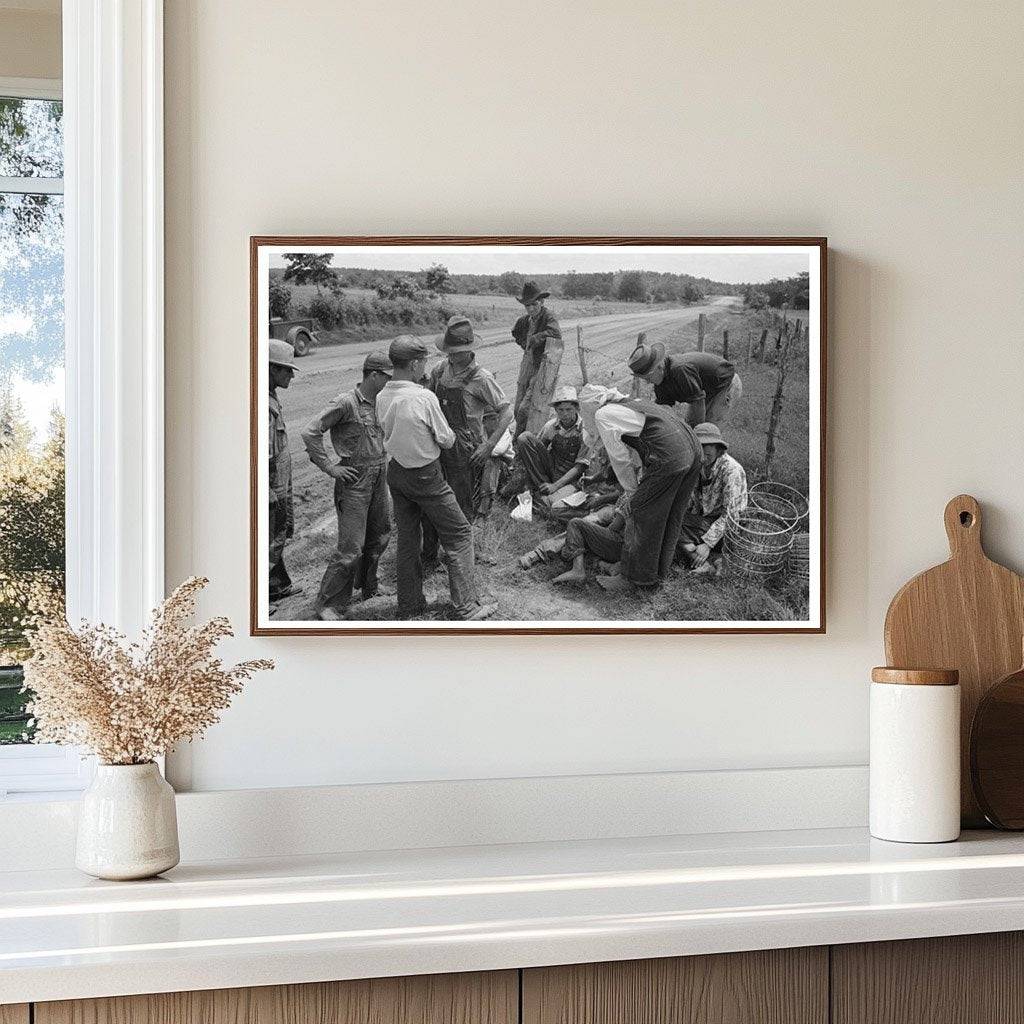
{"x": 722, "y": 489}
{"x": 701, "y": 386}
{"x": 533, "y": 332}
{"x": 357, "y": 468}
{"x": 556, "y": 455}
{"x": 478, "y": 412}
{"x": 281, "y": 359}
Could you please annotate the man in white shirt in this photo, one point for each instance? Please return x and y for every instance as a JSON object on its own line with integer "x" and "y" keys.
{"x": 670, "y": 456}
{"x": 415, "y": 432}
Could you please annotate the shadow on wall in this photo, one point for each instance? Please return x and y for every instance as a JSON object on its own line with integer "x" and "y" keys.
{"x": 853, "y": 287}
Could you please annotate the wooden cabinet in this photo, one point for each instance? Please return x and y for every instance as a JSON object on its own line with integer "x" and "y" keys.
{"x": 970, "y": 979}
{"x": 962, "y": 979}
{"x": 491, "y": 998}
{"x": 777, "y": 986}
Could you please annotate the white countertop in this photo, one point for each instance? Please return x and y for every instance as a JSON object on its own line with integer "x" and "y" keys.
{"x": 263, "y": 922}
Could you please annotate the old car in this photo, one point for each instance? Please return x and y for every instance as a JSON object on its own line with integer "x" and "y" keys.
{"x": 300, "y": 334}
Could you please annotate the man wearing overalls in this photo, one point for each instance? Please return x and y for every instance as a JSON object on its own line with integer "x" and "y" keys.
{"x": 360, "y": 487}
{"x": 281, "y": 512}
{"x": 634, "y": 431}
{"x": 477, "y": 411}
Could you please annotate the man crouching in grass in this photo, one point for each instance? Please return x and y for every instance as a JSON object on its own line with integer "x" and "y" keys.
{"x": 722, "y": 489}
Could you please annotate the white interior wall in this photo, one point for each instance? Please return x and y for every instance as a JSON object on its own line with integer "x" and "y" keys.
{"x": 895, "y": 129}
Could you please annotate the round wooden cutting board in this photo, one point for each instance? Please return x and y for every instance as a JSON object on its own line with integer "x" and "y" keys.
{"x": 967, "y": 614}
{"x": 997, "y": 752}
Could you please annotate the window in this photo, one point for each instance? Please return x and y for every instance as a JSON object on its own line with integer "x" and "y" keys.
{"x": 102, "y": 190}
{"x": 32, "y": 512}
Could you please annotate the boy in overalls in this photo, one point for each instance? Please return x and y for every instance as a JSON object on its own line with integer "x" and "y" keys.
{"x": 557, "y": 454}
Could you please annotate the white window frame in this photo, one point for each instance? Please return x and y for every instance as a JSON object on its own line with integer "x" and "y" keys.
{"x": 31, "y": 89}
{"x": 114, "y": 326}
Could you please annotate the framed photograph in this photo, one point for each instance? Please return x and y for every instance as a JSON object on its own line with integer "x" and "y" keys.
{"x": 537, "y": 435}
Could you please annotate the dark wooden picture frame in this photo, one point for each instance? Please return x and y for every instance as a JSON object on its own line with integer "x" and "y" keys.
{"x": 258, "y": 341}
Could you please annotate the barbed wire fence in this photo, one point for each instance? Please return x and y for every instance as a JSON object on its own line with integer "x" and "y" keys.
{"x": 769, "y": 538}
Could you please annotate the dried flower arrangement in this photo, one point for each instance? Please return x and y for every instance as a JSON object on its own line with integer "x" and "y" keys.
{"x": 130, "y": 703}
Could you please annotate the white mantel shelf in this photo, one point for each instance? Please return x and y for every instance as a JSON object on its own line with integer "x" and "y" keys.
{"x": 266, "y": 922}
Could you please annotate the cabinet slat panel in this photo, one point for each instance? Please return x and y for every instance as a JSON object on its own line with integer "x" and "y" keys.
{"x": 14, "y": 1013}
{"x": 479, "y": 998}
{"x": 779, "y": 986}
{"x": 961, "y": 979}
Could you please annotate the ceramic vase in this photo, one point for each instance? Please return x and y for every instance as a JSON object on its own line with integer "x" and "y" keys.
{"x": 127, "y": 825}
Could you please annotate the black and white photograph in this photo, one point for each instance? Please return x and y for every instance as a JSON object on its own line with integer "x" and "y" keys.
{"x": 537, "y": 435}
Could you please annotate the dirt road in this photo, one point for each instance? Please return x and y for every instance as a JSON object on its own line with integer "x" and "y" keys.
{"x": 331, "y": 370}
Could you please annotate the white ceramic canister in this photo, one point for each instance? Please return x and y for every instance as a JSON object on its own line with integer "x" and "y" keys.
{"x": 915, "y": 755}
{"x": 127, "y": 824}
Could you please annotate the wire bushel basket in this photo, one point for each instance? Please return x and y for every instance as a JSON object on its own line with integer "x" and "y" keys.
{"x": 800, "y": 556}
{"x": 781, "y": 499}
{"x": 757, "y": 541}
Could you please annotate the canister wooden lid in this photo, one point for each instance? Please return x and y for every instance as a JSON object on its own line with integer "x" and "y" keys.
{"x": 916, "y": 676}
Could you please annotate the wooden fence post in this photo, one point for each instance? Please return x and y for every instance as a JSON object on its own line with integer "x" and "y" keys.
{"x": 700, "y": 332}
{"x": 725, "y": 344}
{"x": 634, "y": 387}
{"x": 776, "y": 414}
{"x": 538, "y": 396}
{"x": 750, "y": 345}
{"x": 581, "y": 352}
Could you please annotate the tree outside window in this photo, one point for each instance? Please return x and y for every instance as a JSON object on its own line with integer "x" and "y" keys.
{"x": 31, "y": 386}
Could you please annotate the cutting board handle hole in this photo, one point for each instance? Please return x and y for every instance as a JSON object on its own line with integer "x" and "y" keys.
{"x": 966, "y": 519}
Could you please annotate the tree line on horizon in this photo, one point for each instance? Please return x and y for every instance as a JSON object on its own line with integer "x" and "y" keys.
{"x": 435, "y": 281}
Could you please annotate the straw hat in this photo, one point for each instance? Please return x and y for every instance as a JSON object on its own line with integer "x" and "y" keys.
{"x": 565, "y": 393}
{"x": 282, "y": 354}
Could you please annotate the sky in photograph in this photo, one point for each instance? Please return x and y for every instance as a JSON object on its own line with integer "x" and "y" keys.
{"x": 731, "y": 266}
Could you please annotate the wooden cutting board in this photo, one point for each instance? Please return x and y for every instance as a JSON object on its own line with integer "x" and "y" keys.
{"x": 967, "y": 614}
{"x": 997, "y": 752}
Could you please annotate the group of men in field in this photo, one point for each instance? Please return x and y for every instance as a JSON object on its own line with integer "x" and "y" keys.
{"x": 653, "y": 479}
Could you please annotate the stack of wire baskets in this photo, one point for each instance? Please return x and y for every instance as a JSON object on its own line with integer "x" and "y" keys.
{"x": 761, "y": 540}
{"x": 799, "y": 556}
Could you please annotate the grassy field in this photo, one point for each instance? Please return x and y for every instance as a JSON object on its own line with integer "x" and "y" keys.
{"x": 484, "y": 310}
{"x": 684, "y": 598}
{"x": 746, "y": 430}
